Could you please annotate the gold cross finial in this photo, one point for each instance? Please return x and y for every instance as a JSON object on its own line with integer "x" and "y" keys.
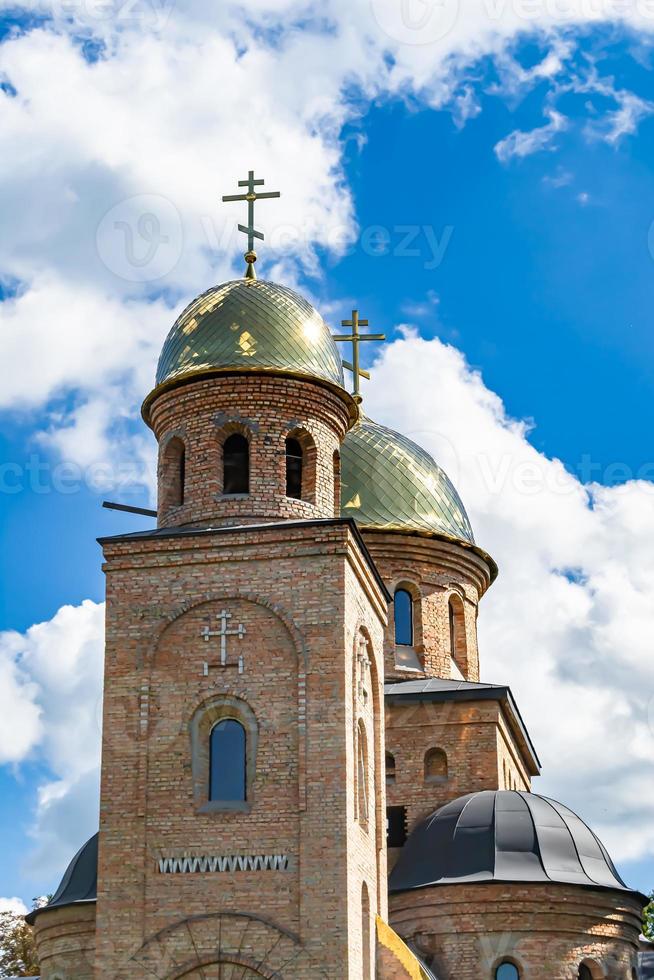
{"x": 250, "y": 196}
{"x": 355, "y": 338}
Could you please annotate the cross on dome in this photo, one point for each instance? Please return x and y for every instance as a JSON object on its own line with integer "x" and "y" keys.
{"x": 251, "y": 196}
{"x": 355, "y": 338}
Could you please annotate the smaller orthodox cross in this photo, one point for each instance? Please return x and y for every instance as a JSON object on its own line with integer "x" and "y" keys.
{"x": 251, "y": 196}
{"x": 223, "y": 633}
{"x": 355, "y": 338}
{"x": 364, "y": 669}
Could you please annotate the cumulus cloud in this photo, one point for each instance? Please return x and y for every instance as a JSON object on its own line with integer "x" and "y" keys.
{"x": 13, "y": 905}
{"x": 569, "y": 621}
{"x": 51, "y": 713}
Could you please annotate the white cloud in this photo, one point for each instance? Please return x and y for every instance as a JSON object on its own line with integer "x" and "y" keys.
{"x": 52, "y": 713}
{"x": 570, "y": 619}
{"x": 523, "y": 144}
{"x": 13, "y": 905}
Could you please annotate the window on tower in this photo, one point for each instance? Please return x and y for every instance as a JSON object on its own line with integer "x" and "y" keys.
{"x": 236, "y": 464}
{"x": 227, "y": 762}
{"x": 507, "y": 971}
{"x": 456, "y": 614}
{"x": 174, "y": 473}
{"x": 294, "y": 460}
{"x": 403, "y": 614}
{"x": 390, "y": 768}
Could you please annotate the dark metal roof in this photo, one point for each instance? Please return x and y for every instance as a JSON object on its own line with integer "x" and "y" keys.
{"x": 451, "y": 689}
{"x": 160, "y": 533}
{"x": 646, "y": 966}
{"x": 501, "y": 835}
{"x": 79, "y": 883}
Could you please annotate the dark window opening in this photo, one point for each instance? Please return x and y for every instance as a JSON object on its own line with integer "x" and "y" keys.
{"x": 293, "y": 469}
{"x": 584, "y": 972}
{"x": 227, "y": 762}
{"x": 403, "y": 614}
{"x": 236, "y": 464}
{"x": 390, "y": 768}
{"x": 396, "y": 833}
{"x": 507, "y": 971}
{"x": 182, "y": 475}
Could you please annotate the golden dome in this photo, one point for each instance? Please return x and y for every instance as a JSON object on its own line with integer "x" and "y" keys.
{"x": 250, "y": 325}
{"x": 390, "y": 483}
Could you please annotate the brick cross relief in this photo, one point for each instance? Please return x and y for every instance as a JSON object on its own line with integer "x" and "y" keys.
{"x": 364, "y": 670}
{"x": 223, "y": 633}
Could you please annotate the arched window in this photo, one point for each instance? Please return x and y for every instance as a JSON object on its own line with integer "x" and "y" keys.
{"x": 174, "y": 473}
{"x": 457, "y": 632}
{"x": 390, "y": 768}
{"x": 403, "y": 615}
{"x": 435, "y": 766}
{"x": 236, "y": 464}
{"x": 227, "y": 761}
{"x": 365, "y": 932}
{"x": 337, "y": 483}
{"x": 362, "y": 775}
{"x": 584, "y": 972}
{"x": 294, "y": 459}
{"x": 507, "y": 971}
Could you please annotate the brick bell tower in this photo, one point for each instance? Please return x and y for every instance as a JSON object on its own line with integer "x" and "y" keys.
{"x": 242, "y": 798}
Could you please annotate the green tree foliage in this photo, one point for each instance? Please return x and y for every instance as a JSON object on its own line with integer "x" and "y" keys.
{"x": 17, "y": 947}
{"x": 648, "y": 919}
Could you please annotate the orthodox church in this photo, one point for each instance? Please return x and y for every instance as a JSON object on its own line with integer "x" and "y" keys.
{"x": 302, "y": 774}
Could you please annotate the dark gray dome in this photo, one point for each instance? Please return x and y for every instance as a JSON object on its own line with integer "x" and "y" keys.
{"x": 499, "y": 835}
{"x": 79, "y": 883}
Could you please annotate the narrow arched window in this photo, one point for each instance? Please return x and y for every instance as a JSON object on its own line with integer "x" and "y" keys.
{"x": 294, "y": 457}
{"x": 507, "y": 971}
{"x": 403, "y": 615}
{"x": 457, "y": 632}
{"x": 236, "y": 464}
{"x": 362, "y": 774}
{"x": 227, "y": 762}
{"x": 435, "y": 766}
{"x": 390, "y": 768}
{"x": 174, "y": 473}
{"x": 337, "y": 484}
{"x": 365, "y": 932}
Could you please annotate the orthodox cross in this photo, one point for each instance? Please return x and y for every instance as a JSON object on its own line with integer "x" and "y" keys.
{"x": 364, "y": 669}
{"x": 250, "y": 196}
{"x": 223, "y": 633}
{"x": 355, "y": 338}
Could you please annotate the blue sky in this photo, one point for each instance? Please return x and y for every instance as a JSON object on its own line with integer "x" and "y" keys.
{"x": 534, "y": 263}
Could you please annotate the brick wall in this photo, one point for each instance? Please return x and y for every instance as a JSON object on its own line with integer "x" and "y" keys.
{"x": 266, "y": 409}
{"x": 305, "y": 595}
{"x": 547, "y": 930}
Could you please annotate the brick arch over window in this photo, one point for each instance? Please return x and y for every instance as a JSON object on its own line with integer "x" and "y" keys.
{"x": 300, "y": 461}
{"x": 249, "y": 941}
{"x": 205, "y": 718}
{"x": 172, "y": 473}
